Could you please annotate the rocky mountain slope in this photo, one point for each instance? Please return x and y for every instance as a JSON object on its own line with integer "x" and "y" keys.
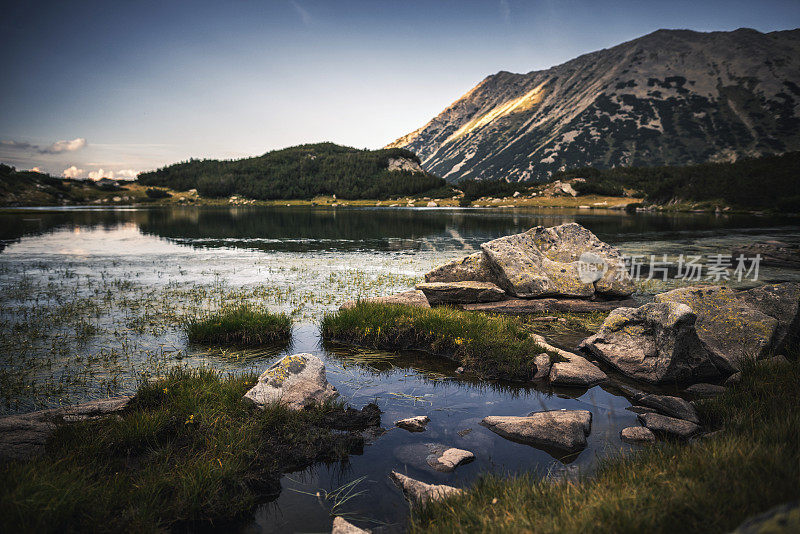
{"x": 672, "y": 97}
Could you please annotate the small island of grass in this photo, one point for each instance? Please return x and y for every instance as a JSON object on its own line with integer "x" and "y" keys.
{"x": 242, "y": 326}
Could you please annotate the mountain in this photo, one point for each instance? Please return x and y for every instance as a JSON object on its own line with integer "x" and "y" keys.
{"x": 302, "y": 172}
{"x": 673, "y": 97}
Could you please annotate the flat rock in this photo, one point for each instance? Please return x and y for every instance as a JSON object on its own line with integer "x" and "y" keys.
{"x": 577, "y": 371}
{"x": 729, "y": 329}
{"x": 446, "y": 459}
{"x": 413, "y": 424}
{"x": 564, "y": 430}
{"x": 545, "y": 305}
{"x": 23, "y": 435}
{"x": 669, "y": 426}
{"x": 460, "y": 292}
{"x": 413, "y": 298}
{"x": 667, "y": 405}
{"x": 705, "y": 390}
{"x": 420, "y": 492}
{"x": 342, "y": 526}
{"x": 654, "y": 343}
{"x": 297, "y": 381}
{"x": 637, "y": 434}
{"x": 553, "y": 262}
{"x": 475, "y": 267}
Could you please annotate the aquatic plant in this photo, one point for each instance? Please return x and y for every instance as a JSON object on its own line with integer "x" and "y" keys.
{"x": 241, "y": 325}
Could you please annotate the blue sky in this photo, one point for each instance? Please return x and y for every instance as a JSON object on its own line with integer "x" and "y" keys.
{"x": 130, "y": 86}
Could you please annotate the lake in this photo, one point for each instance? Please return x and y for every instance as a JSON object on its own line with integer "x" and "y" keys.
{"x": 93, "y": 302}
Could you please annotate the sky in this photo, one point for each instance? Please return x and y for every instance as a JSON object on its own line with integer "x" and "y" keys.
{"x": 112, "y": 88}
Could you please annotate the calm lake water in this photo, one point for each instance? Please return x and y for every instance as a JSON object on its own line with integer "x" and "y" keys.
{"x": 92, "y": 300}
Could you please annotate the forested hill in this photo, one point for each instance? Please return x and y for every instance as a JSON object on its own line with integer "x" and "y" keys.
{"x": 302, "y": 172}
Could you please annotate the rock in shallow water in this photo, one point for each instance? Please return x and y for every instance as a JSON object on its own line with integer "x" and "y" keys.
{"x": 669, "y": 426}
{"x": 297, "y": 381}
{"x": 637, "y": 434}
{"x": 666, "y": 405}
{"x": 413, "y": 424}
{"x": 577, "y": 371}
{"x": 565, "y": 430}
{"x": 342, "y": 526}
{"x": 420, "y": 492}
{"x": 447, "y": 459}
{"x": 460, "y": 292}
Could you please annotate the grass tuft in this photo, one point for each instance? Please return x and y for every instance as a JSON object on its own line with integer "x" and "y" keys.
{"x": 187, "y": 449}
{"x": 242, "y": 325}
{"x": 491, "y": 346}
{"x": 711, "y": 485}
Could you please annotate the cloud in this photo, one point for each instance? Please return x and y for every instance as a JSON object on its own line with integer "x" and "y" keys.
{"x": 37, "y": 169}
{"x": 127, "y": 174}
{"x": 65, "y": 146}
{"x": 100, "y": 173}
{"x": 305, "y": 16}
{"x": 56, "y": 148}
{"x": 72, "y": 172}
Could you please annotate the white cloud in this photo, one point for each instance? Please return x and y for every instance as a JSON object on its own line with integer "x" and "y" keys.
{"x": 305, "y": 16}
{"x": 127, "y": 174}
{"x": 72, "y": 172}
{"x": 100, "y": 173}
{"x": 65, "y": 146}
{"x": 37, "y": 169}
{"x": 505, "y": 11}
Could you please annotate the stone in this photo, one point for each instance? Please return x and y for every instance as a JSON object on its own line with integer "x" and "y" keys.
{"x": 705, "y": 390}
{"x": 782, "y": 519}
{"x": 735, "y": 378}
{"x": 655, "y": 343}
{"x": 782, "y": 303}
{"x": 23, "y": 435}
{"x": 542, "y": 363}
{"x": 460, "y": 292}
{"x": 577, "y": 371}
{"x": 777, "y": 253}
{"x": 446, "y": 459}
{"x": 728, "y": 329}
{"x": 432, "y": 204}
{"x": 666, "y": 405}
{"x": 420, "y": 492}
{"x": 637, "y": 434}
{"x": 297, "y": 381}
{"x": 413, "y": 424}
{"x": 565, "y": 430}
{"x": 342, "y": 526}
{"x": 413, "y": 298}
{"x": 545, "y": 305}
{"x": 555, "y": 261}
{"x": 475, "y": 267}
{"x": 669, "y": 426}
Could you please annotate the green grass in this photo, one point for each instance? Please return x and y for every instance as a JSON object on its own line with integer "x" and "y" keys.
{"x": 491, "y": 346}
{"x": 187, "y": 449}
{"x": 242, "y": 325}
{"x": 711, "y": 485}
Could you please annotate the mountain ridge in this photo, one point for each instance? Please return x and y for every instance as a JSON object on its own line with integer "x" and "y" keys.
{"x": 671, "y": 97}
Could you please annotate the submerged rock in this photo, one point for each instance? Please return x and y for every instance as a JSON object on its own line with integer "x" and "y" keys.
{"x": 565, "y": 430}
{"x": 460, "y": 292}
{"x": 655, "y": 343}
{"x": 413, "y": 424}
{"x": 297, "y": 381}
{"x": 637, "y": 434}
{"x": 447, "y": 459}
{"x": 413, "y": 298}
{"x": 342, "y": 526}
{"x": 669, "y": 426}
{"x": 775, "y": 253}
{"x": 420, "y": 492}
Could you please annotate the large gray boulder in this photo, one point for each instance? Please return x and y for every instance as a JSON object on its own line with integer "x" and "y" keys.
{"x": 475, "y": 267}
{"x": 420, "y": 492}
{"x": 460, "y": 292}
{"x": 730, "y": 330}
{"x": 563, "y": 261}
{"x": 297, "y": 381}
{"x": 781, "y": 302}
{"x": 654, "y": 343}
{"x": 565, "y": 430}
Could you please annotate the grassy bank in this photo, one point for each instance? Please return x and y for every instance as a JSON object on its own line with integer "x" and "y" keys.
{"x": 187, "y": 449}
{"x": 711, "y": 485}
{"x": 493, "y": 347}
{"x": 242, "y": 325}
